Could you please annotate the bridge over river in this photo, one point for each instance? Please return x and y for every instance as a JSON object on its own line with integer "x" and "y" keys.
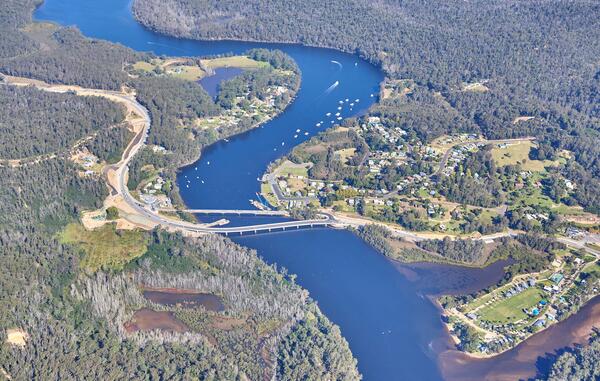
{"x": 238, "y": 212}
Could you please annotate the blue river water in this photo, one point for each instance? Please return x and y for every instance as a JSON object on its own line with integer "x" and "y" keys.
{"x": 394, "y": 331}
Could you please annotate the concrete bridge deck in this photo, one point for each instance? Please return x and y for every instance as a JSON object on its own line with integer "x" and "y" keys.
{"x": 239, "y": 212}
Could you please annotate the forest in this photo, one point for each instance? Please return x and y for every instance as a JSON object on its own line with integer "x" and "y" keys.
{"x": 578, "y": 364}
{"x": 54, "y": 122}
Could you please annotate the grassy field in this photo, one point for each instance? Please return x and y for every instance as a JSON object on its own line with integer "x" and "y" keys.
{"x": 510, "y": 309}
{"x": 519, "y": 154}
{"x": 241, "y": 62}
{"x": 345, "y": 154}
{"x": 143, "y": 66}
{"x": 267, "y": 193}
{"x": 287, "y": 168}
{"x": 478, "y": 302}
{"x": 592, "y": 268}
{"x": 174, "y": 68}
{"x": 105, "y": 248}
{"x": 186, "y": 72}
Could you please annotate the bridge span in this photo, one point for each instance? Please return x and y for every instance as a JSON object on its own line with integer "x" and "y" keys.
{"x": 238, "y": 212}
{"x": 264, "y": 228}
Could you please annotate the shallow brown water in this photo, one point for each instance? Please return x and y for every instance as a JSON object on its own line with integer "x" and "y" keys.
{"x": 147, "y": 320}
{"x": 183, "y": 298}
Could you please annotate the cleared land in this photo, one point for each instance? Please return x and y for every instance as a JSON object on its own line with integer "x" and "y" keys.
{"x": 511, "y": 309}
{"x": 241, "y": 62}
{"x": 105, "y": 247}
{"x": 287, "y": 168}
{"x": 518, "y": 153}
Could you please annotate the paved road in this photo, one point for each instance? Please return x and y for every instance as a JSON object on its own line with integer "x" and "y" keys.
{"x": 582, "y": 244}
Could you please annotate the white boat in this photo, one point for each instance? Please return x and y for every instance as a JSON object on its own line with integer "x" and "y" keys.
{"x": 328, "y": 114}
{"x": 298, "y": 130}
{"x": 306, "y": 133}
{"x": 347, "y": 99}
{"x": 337, "y": 114}
{"x": 282, "y": 143}
{"x": 318, "y": 124}
{"x": 339, "y": 108}
{"x": 295, "y": 136}
{"x": 357, "y": 100}
{"x": 351, "y": 104}
{"x": 208, "y": 163}
{"x": 340, "y": 118}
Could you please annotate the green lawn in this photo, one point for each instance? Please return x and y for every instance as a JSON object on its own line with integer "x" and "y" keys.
{"x": 105, "y": 247}
{"x": 519, "y": 154}
{"x": 478, "y": 302}
{"x": 267, "y": 193}
{"x": 592, "y": 268}
{"x": 186, "y": 72}
{"x": 241, "y": 62}
{"x": 143, "y": 66}
{"x": 510, "y": 309}
{"x": 290, "y": 169}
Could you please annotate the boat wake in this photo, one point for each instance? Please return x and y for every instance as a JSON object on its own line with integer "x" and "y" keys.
{"x": 337, "y": 63}
{"x": 167, "y": 46}
{"x": 332, "y": 87}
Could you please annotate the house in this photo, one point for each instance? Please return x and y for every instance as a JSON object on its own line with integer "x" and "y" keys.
{"x": 556, "y": 278}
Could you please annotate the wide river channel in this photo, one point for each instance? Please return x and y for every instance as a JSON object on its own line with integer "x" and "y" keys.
{"x": 394, "y": 330}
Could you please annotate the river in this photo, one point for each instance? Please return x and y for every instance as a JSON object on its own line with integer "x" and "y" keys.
{"x": 393, "y": 329}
